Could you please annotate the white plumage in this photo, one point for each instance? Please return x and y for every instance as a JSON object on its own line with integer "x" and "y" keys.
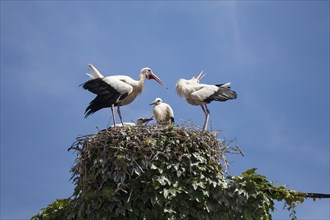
{"x": 115, "y": 90}
{"x": 162, "y": 112}
{"x": 93, "y": 72}
{"x": 139, "y": 122}
{"x": 202, "y": 94}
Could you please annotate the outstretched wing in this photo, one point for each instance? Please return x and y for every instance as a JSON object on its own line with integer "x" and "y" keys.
{"x": 107, "y": 95}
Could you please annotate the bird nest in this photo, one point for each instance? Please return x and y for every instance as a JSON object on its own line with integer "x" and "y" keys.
{"x": 129, "y": 164}
{"x": 151, "y": 141}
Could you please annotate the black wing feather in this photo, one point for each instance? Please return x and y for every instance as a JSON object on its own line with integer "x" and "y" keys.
{"x": 99, "y": 87}
{"x": 106, "y": 95}
{"x": 219, "y": 85}
{"x": 222, "y": 94}
{"x": 100, "y": 101}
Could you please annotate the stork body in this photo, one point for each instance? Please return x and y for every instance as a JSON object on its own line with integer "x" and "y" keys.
{"x": 139, "y": 122}
{"x": 115, "y": 90}
{"x": 163, "y": 112}
{"x": 203, "y": 94}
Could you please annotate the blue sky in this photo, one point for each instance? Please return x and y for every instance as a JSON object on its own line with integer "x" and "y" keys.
{"x": 275, "y": 53}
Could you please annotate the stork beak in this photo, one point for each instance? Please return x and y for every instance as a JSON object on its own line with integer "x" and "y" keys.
{"x": 153, "y": 103}
{"x": 155, "y": 77}
{"x": 144, "y": 120}
{"x": 200, "y": 76}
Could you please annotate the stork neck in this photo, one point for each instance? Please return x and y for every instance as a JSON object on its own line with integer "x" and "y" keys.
{"x": 142, "y": 78}
{"x": 140, "y": 83}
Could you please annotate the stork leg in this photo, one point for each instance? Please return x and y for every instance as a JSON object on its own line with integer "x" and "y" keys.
{"x": 207, "y": 115}
{"x": 121, "y": 119}
{"x": 113, "y": 115}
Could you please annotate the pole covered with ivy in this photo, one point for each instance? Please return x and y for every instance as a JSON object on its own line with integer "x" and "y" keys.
{"x": 163, "y": 173}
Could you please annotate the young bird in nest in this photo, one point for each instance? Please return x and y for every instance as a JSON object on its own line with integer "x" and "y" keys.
{"x": 163, "y": 112}
{"x": 139, "y": 122}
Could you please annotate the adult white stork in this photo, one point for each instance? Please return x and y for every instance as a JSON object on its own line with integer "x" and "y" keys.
{"x": 202, "y": 94}
{"x": 163, "y": 112}
{"x": 139, "y": 122}
{"x": 117, "y": 90}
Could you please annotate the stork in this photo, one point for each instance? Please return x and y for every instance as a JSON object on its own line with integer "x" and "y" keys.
{"x": 202, "y": 94}
{"x": 139, "y": 122}
{"x": 117, "y": 90}
{"x": 163, "y": 112}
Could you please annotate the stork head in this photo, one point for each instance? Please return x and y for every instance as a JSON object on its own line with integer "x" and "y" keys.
{"x": 142, "y": 121}
{"x": 157, "y": 101}
{"x": 147, "y": 72}
{"x": 198, "y": 78}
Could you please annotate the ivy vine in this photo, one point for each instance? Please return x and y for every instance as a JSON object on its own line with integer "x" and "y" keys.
{"x": 163, "y": 173}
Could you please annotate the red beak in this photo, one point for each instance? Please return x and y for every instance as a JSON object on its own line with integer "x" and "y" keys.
{"x": 155, "y": 77}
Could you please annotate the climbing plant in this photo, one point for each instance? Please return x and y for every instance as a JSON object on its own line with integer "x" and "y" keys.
{"x": 163, "y": 173}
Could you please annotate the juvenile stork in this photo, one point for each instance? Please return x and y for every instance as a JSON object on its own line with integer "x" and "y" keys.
{"x": 163, "y": 112}
{"x": 202, "y": 94}
{"x": 115, "y": 90}
{"x": 139, "y": 122}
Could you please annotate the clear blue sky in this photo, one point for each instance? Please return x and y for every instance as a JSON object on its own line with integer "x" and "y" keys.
{"x": 275, "y": 53}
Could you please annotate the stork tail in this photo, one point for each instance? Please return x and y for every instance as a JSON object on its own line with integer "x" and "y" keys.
{"x": 94, "y": 73}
